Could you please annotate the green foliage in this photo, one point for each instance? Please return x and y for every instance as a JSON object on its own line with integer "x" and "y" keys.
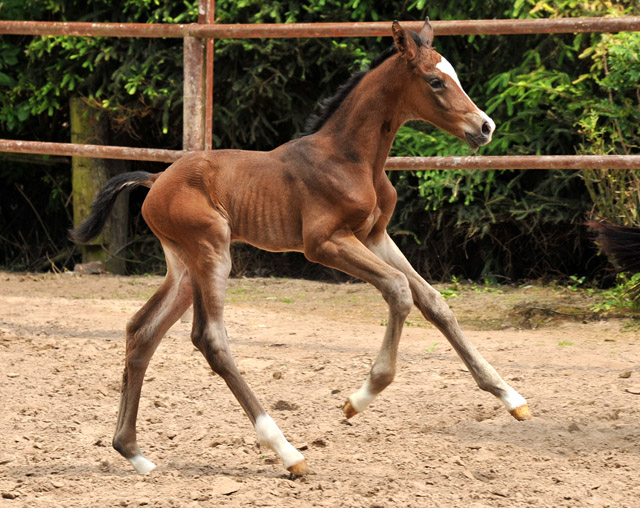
{"x": 611, "y": 125}
{"x": 576, "y": 282}
{"x": 555, "y": 94}
{"x": 615, "y": 194}
{"x": 622, "y": 296}
{"x": 549, "y": 94}
{"x": 139, "y": 85}
{"x": 8, "y": 58}
{"x": 270, "y": 86}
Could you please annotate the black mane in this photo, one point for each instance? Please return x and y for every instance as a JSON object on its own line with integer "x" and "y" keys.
{"x": 329, "y": 106}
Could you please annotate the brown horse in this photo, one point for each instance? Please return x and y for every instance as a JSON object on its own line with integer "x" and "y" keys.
{"x": 326, "y": 195}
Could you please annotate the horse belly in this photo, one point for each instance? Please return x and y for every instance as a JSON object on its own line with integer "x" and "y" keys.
{"x": 267, "y": 223}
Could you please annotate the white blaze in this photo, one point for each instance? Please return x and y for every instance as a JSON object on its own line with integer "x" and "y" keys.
{"x": 446, "y": 68}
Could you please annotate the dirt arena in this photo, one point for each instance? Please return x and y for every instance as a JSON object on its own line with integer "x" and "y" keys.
{"x": 432, "y": 439}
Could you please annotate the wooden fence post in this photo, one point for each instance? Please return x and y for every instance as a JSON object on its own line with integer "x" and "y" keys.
{"x": 88, "y": 175}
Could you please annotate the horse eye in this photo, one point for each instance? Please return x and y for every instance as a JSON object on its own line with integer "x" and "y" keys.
{"x": 436, "y": 83}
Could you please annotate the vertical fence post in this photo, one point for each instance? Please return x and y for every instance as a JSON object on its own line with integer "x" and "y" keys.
{"x": 90, "y": 126}
{"x": 209, "y": 18}
{"x": 193, "y": 100}
{"x": 197, "y": 109}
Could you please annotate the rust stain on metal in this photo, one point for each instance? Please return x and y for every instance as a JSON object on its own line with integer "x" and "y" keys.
{"x": 449, "y": 27}
{"x": 94, "y": 29}
{"x": 209, "y": 18}
{"x": 198, "y": 91}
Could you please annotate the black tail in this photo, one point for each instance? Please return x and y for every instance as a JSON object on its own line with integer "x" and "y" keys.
{"x": 621, "y": 244}
{"x": 104, "y": 201}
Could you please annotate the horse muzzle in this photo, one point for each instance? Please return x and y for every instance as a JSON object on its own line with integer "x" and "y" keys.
{"x": 479, "y": 130}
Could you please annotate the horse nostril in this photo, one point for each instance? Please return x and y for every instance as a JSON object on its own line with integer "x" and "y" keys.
{"x": 486, "y": 128}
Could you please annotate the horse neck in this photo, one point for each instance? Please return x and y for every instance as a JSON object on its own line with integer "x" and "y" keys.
{"x": 364, "y": 125}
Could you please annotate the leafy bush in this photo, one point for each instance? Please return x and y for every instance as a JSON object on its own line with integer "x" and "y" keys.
{"x": 555, "y": 97}
{"x": 551, "y": 94}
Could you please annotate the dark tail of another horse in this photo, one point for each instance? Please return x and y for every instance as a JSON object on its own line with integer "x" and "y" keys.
{"x": 621, "y": 244}
{"x": 104, "y": 201}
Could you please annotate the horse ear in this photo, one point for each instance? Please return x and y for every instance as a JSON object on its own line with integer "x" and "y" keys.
{"x": 427, "y": 32}
{"x": 405, "y": 43}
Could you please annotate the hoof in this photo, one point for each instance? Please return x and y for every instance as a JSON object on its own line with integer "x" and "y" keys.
{"x": 349, "y": 410}
{"x": 299, "y": 469}
{"x": 521, "y": 413}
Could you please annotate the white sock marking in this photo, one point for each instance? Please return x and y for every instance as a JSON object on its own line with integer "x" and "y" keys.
{"x": 362, "y": 398}
{"x": 142, "y": 464}
{"x": 271, "y": 436}
{"x": 513, "y": 400}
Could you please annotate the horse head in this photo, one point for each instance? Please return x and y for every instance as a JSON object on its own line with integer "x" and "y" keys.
{"x": 434, "y": 92}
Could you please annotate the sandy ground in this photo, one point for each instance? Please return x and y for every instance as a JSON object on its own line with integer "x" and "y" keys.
{"x": 431, "y": 439}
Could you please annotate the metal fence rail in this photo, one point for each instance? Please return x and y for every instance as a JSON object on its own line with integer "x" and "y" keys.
{"x": 198, "y": 82}
{"x": 392, "y": 164}
{"x": 95, "y": 151}
{"x": 300, "y": 30}
{"x": 515, "y": 162}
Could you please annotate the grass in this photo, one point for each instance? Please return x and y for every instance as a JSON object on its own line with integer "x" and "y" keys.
{"x": 432, "y": 348}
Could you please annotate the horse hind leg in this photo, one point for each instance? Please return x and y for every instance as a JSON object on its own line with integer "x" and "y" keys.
{"x": 210, "y": 267}
{"x": 144, "y": 333}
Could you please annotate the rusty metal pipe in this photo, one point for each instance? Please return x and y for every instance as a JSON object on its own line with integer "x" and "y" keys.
{"x": 393, "y": 163}
{"x": 452, "y": 27}
{"x": 94, "y": 29}
{"x": 97, "y": 151}
{"x": 287, "y": 30}
{"x": 193, "y": 107}
{"x": 209, "y": 17}
{"x": 515, "y": 162}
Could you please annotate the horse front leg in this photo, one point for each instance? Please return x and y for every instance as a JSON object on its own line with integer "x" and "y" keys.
{"x": 345, "y": 252}
{"x": 384, "y": 368}
{"x": 435, "y": 310}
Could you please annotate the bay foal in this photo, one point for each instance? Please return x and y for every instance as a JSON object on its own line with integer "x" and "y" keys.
{"x": 326, "y": 195}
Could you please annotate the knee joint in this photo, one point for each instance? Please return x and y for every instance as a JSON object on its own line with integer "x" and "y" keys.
{"x": 435, "y": 309}
{"x": 400, "y": 299}
{"x": 442, "y": 316}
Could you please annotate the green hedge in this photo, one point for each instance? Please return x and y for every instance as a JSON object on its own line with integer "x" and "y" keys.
{"x": 549, "y": 94}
